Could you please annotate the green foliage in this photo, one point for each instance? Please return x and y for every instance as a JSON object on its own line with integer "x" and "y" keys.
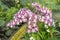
{"x": 8, "y": 32}
{"x": 3, "y": 5}
{"x": 10, "y": 13}
{"x": 53, "y": 39}
{"x": 42, "y": 34}
{"x": 58, "y": 2}
{"x": 52, "y": 4}
{"x": 2, "y": 23}
{"x": 9, "y": 7}
{"x": 49, "y": 1}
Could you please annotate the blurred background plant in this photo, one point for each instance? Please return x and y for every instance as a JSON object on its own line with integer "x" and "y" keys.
{"x": 9, "y": 7}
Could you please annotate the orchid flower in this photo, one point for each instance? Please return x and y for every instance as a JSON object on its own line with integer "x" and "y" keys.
{"x": 26, "y": 15}
{"x": 45, "y": 14}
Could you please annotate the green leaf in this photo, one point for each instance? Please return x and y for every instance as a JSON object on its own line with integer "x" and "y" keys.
{"x": 48, "y": 1}
{"x": 23, "y": 2}
{"x": 3, "y": 5}
{"x": 52, "y": 4}
{"x": 53, "y": 7}
{"x": 8, "y": 32}
{"x": 2, "y": 23}
{"x": 53, "y": 39}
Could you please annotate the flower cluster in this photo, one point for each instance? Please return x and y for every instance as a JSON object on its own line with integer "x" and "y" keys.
{"x": 25, "y": 15}
{"x": 45, "y": 14}
{"x": 32, "y": 23}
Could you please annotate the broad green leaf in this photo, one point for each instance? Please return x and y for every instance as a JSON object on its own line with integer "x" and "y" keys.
{"x": 20, "y": 33}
